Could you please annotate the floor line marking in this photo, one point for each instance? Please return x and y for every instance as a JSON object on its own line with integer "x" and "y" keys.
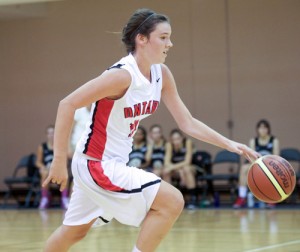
{"x": 274, "y": 246}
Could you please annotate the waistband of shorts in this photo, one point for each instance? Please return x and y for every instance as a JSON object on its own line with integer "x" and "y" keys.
{"x": 82, "y": 155}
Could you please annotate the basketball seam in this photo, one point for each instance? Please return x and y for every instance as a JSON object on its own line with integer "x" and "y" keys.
{"x": 287, "y": 172}
{"x": 260, "y": 190}
{"x": 276, "y": 181}
{"x": 272, "y": 178}
{"x": 276, "y": 178}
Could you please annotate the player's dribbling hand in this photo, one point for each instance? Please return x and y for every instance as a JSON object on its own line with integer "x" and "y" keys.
{"x": 244, "y": 150}
{"x": 58, "y": 174}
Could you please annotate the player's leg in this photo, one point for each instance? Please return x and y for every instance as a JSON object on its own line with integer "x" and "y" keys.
{"x": 65, "y": 236}
{"x": 190, "y": 182}
{"x": 64, "y": 198}
{"x": 189, "y": 173}
{"x": 158, "y": 171}
{"x": 44, "y": 201}
{"x": 242, "y": 191}
{"x": 164, "y": 211}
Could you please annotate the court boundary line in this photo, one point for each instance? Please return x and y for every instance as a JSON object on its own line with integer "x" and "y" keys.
{"x": 283, "y": 244}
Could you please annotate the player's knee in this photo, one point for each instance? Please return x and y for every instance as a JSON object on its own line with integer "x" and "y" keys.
{"x": 188, "y": 170}
{"x": 175, "y": 203}
{"x": 74, "y": 235}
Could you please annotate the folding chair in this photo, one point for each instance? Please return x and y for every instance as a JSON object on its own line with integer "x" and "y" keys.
{"x": 24, "y": 183}
{"x": 293, "y": 155}
{"x": 225, "y": 157}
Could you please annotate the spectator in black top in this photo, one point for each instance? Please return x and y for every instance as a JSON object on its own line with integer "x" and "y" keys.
{"x": 43, "y": 162}
{"x": 157, "y": 150}
{"x": 140, "y": 155}
{"x": 178, "y": 161}
{"x": 265, "y": 144}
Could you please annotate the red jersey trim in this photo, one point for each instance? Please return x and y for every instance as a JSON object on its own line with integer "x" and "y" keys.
{"x": 95, "y": 144}
{"x": 97, "y": 173}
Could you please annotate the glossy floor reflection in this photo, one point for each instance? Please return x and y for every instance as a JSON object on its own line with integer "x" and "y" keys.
{"x": 201, "y": 230}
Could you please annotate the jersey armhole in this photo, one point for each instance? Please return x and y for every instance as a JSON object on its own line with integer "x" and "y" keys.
{"x": 129, "y": 87}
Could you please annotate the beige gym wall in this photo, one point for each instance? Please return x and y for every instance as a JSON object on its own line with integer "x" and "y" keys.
{"x": 42, "y": 59}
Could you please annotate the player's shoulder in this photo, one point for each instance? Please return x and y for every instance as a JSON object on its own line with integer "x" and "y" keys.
{"x": 117, "y": 76}
{"x": 167, "y": 76}
{"x": 165, "y": 70}
{"x": 252, "y": 141}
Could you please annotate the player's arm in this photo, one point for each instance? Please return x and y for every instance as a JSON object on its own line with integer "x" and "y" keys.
{"x": 168, "y": 155}
{"x": 193, "y": 127}
{"x": 187, "y": 158}
{"x": 112, "y": 83}
{"x": 276, "y": 147}
{"x": 39, "y": 159}
{"x": 148, "y": 155}
{"x": 252, "y": 143}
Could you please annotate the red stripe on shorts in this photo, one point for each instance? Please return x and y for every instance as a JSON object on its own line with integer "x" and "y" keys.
{"x": 96, "y": 141}
{"x": 97, "y": 173}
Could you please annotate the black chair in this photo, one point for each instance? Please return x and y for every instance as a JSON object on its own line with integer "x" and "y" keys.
{"x": 203, "y": 163}
{"x": 293, "y": 155}
{"x": 232, "y": 176}
{"x": 24, "y": 183}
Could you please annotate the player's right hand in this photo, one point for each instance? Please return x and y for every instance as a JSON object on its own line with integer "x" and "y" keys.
{"x": 58, "y": 174}
{"x": 244, "y": 150}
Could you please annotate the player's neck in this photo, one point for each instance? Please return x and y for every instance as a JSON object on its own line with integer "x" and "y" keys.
{"x": 144, "y": 65}
{"x": 264, "y": 138}
{"x": 50, "y": 144}
{"x": 159, "y": 143}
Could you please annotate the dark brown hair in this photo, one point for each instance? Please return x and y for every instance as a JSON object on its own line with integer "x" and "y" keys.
{"x": 176, "y": 131}
{"x": 144, "y": 132}
{"x": 143, "y": 21}
{"x": 264, "y": 123}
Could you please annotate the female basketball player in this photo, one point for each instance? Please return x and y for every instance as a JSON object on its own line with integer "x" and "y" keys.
{"x": 265, "y": 144}
{"x": 43, "y": 162}
{"x": 157, "y": 150}
{"x": 104, "y": 187}
{"x": 140, "y": 154}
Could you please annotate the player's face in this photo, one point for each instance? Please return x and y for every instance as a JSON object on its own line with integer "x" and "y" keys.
{"x": 159, "y": 43}
{"x": 263, "y": 131}
{"x": 139, "y": 136}
{"x": 176, "y": 140}
{"x": 50, "y": 134}
{"x": 156, "y": 134}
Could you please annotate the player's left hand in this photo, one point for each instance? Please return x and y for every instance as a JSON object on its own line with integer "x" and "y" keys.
{"x": 244, "y": 150}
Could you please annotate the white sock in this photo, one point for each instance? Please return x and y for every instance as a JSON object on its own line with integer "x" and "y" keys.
{"x": 135, "y": 249}
{"x": 242, "y": 191}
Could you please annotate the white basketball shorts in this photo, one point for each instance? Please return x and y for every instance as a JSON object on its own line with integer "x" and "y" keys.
{"x": 107, "y": 190}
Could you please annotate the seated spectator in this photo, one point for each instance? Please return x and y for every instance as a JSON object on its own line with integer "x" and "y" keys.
{"x": 43, "y": 162}
{"x": 157, "y": 150}
{"x": 178, "y": 162}
{"x": 265, "y": 144}
{"x": 140, "y": 155}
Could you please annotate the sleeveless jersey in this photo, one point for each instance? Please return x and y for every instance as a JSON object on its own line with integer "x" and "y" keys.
{"x": 137, "y": 156}
{"x": 179, "y": 156}
{"x": 265, "y": 149}
{"x": 47, "y": 155}
{"x": 114, "y": 122}
{"x": 158, "y": 156}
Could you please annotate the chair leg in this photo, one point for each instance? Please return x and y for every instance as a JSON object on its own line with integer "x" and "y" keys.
{"x": 28, "y": 198}
{"x": 6, "y": 197}
{"x": 37, "y": 197}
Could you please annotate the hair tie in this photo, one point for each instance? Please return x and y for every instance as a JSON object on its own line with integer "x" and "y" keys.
{"x": 139, "y": 27}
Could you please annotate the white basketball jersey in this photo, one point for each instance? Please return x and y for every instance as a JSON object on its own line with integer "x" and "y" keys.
{"x": 113, "y": 123}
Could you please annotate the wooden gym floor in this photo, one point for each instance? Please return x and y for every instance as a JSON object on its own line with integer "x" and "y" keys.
{"x": 200, "y": 230}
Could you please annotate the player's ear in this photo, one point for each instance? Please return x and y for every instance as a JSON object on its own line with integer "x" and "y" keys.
{"x": 141, "y": 40}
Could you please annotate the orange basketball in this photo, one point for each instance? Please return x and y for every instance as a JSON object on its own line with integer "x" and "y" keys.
{"x": 271, "y": 179}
